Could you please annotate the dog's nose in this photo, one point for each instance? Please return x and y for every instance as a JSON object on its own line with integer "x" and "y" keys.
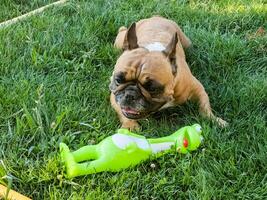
{"x": 131, "y": 93}
{"x": 130, "y": 96}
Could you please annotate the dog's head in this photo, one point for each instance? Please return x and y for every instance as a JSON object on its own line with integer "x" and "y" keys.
{"x": 143, "y": 80}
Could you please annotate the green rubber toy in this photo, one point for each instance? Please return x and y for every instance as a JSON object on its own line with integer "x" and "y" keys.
{"x": 126, "y": 149}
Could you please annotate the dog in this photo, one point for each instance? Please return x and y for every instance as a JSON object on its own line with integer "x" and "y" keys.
{"x": 152, "y": 72}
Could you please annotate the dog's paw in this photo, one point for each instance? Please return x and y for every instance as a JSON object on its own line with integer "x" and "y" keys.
{"x": 131, "y": 125}
{"x": 221, "y": 122}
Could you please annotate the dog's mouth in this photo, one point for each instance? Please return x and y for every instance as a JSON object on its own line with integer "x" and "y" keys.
{"x": 132, "y": 113}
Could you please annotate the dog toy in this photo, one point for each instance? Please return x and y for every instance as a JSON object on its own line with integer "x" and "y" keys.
{"x": 11, "y": 194}
{"x": 126, "y": 149}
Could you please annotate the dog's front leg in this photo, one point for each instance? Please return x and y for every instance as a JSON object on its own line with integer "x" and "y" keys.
{"x": 199, "y": 94}
{"x": 125, "y": 122}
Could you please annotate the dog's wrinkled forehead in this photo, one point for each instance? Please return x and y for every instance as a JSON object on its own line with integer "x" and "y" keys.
{"x": 139, "y": 64}
{"x": 129, "y": 63}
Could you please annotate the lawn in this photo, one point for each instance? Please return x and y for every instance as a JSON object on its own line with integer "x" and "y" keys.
{"x": 54, "y": 77}
{"x": 14, "y": 8}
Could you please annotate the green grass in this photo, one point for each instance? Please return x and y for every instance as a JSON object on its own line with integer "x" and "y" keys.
{"x": 14, "y": 8}
{"x": 54, "y": 76}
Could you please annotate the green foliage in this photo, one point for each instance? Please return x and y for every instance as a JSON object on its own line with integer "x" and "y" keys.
{"x": 54, "y": 76}
{"x": 11, "y": 9}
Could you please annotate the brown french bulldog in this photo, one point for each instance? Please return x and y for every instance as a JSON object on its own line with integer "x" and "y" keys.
{"x": 152, "y": 73}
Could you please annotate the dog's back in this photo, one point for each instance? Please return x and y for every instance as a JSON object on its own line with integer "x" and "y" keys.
{"x": 154, "y": 29}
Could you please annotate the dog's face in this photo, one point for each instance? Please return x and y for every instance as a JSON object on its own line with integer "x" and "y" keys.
{"x": 142, "y": 81}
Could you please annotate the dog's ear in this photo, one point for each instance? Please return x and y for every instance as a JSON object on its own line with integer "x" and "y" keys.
{"x": 170, "y": 52}
{"x": 171, "y": 47}
{"x": 130, "y": 40}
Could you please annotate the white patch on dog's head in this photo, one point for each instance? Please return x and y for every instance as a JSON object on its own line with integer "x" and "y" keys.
{"x": 156, "y": 46}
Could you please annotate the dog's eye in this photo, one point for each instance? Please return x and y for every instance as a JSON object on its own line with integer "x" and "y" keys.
{"x": 119, "y": 79}
{"x": 153, "y": 87}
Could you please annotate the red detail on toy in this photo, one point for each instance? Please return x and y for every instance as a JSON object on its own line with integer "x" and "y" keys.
{"x": 185, "y": 143}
